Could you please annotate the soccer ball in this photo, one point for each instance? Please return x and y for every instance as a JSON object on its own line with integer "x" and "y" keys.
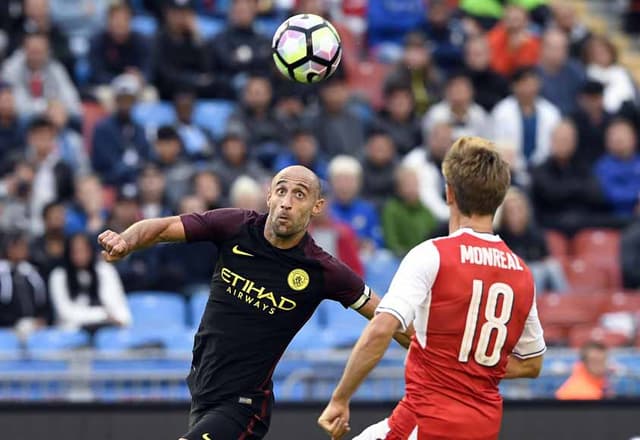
{"x": 306, "y": 48}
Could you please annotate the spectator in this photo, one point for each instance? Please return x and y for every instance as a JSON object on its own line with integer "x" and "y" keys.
{"x": 565, "y": 17}
{"x": 458, "y": 110}
{"x": 290, "y": 108}
{"x": 24, "y": 304}
{"x": 86, "y": 292}
{"x": 389, "y": 22}
{"x": 601, "y": 58}
{"x": 561, "y": 78}
{"x": 338, "y": 239}
{"x": 337, "y": 129}
{"x": 118, "y": 49}
{"x": 69, "y": 142}
{"x": 151, "y": 192}
{"x": 406, "y": 222}
{"x": 17, "y": 189}
{"x": 303, "y": 150}
{"x": 512, "y": 45}
{"x": 446, "y": 35}
{"x": 234, "y": 161}
{"x": 239, "y": 49}
{"x": 206, "y": 185}
{"x": 489, "y": 87}
{"x": 630, "y": 256}
{"x": 119, "y": 143}
{"x": 87, "y": 212}
{"x": 53, "y": 179}
{"x": 591, "y": 121}
{"x": 181, "y": 54}
{"x": 246, "y": 193}
{"x": 125, "y": 211}
{"x": 417, "y": 70}
{"x": 195, "y": 140}
{"x": 588, "y": 381}
{"x": 169, "y": 155}
{"x": 37, "y": 19}
{"x": 47, "y": 250}
{"x": 345, "y": 176}
{"x": 187, "y": 267}
{"x": 378, "y": 168}
{"x": 566, "y": 195}
{"x": 517, "y": 229}
{"x": 426, "y": 160}
{"x": 619, "y": 169}
{"x": 525, "y": 119}
{"x": 398, "y": 118}
{"x": 256, "y": 118}
{"x": 36, "y": 78}
{"x": 79, "y": 19}
{"x": 10, "y": 134}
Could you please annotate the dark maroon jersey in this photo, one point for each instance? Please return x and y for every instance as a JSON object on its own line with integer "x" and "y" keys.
{"x": 260, "y": 297}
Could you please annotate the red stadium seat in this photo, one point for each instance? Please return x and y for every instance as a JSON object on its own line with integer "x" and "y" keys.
{"x": 587, "y": 275}
{"x": 597, "y": 244}
{"x": 559, "y": 313}
{"x": 366, "y": 80}
{"x": 620, "y": 301}
{"x": 558, "y": 243}
{"x": 578, "y": 336}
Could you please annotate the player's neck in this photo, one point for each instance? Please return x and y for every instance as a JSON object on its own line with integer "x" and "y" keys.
{"x": 283, "y": 242}
{"x": 477, "y": 223}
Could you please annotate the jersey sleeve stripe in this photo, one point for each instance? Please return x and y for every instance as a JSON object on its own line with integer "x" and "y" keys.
{"x": 364, "y": 298}
{"x": 529, "y": 355}
{"x": 395, "y": 313}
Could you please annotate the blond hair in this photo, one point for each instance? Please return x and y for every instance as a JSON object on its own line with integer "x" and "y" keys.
{"x": 478, "y": 176}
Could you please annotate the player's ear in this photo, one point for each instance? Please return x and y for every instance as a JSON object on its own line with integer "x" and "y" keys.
{"x": 449, "y": 194}
{"x": 318, "y": 206}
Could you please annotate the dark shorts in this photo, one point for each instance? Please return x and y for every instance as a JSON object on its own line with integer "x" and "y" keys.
{"x": 240, "y": 418}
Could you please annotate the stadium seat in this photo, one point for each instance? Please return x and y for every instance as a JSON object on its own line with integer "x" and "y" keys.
{"x": 580, "y": 335}
{"x": 197, "y": 304}
{"x": 9, "y": 342}
{"x": 620, "y": 301}
{"x": 597, "y": 244}
{"x": 310, "y": 337}
{"x": 151, "y": 115}
{"x": 379, "y": 270}
{"x": 144, "y": 24}
{"x": 53, "y": 339}
{"x": 588, "y": 275}
{"x": 157, "y": 309}
{"x": 212, "y": 115}
{"x": 121, "y": 339}
{"x": 209, "y": 27}
{"x": 267, "y": 26}
{"x": 560, "y": 312}
{"x": 91, "y": 113}
{"x": 558, "y": 244}
{"x": 343, "y": 326}
{"x": 365, "y": 79}
{"x": 180, "y": 340}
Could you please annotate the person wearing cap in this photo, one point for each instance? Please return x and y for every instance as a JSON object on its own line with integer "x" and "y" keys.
{"x": 119, "y": 143}
{"x": 182, "y": 55}
{"x": 37, "y": 77}
{"x": 525, "y": 119}
{"x": 591, "y": 120}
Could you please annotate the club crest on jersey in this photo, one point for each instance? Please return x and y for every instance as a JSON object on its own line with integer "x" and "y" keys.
{"x": 298, "y": 279}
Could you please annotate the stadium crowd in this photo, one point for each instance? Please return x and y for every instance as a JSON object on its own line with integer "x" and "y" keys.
{"x": 111, "y": 112}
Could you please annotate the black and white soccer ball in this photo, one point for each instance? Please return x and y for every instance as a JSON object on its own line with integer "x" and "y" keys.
{"x": 306, "y": 48}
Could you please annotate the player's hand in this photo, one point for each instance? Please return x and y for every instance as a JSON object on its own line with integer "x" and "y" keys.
{"x": 115, "y": 247}
{"x": 335, "y": 419}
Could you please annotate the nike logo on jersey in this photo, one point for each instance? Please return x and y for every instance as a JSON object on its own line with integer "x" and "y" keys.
{"x": 236, "y": 250}
{"x": 205, "y": 436}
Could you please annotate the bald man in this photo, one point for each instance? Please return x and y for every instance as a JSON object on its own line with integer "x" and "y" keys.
{"x": 269, "y": 278}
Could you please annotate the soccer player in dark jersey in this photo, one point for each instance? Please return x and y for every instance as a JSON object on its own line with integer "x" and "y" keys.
{"x": 269, "y": 278}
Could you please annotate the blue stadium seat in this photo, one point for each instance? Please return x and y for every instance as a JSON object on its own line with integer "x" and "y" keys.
{"x": 209, "y": 27}
{"x": 157, "y": 309}
{"x": 145, "y": 25}
{"x": 197, "y": 304}
{"x": 379, "y": 270}
{"x": 343, "y": 326}
{"x": 54, "y": 339}
{"x": 212, "y": 115}
{"x": 9, "y": 342}
{"x": 122, "y": 339}
{"x": 151, "y": 115}
{"x": 180, "y": 340}
{"x": 267, "y": 26}
{"x": 311, "y": 336}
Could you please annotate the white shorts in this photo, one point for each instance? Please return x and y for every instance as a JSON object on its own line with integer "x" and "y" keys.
{"x": 380, "y": 430}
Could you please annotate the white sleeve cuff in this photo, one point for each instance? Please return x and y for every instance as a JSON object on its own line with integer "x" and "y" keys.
{"x": 530, "y": 354}
{"x": 399, "y": 308}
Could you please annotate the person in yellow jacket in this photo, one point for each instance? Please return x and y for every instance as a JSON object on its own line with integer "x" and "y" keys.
{"x": 588, "y": 381}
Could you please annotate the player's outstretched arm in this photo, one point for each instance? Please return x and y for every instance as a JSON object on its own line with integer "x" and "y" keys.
{"x": 368, "y": 311}
{"x": 365, "y": 356}
{"x": 140, "y": 235}
{"x": 523, "y": 368}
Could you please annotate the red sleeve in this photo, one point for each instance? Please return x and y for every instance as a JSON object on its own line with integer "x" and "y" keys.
{"x": 343, "y": 285}
{"x": 216, "y": 225}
